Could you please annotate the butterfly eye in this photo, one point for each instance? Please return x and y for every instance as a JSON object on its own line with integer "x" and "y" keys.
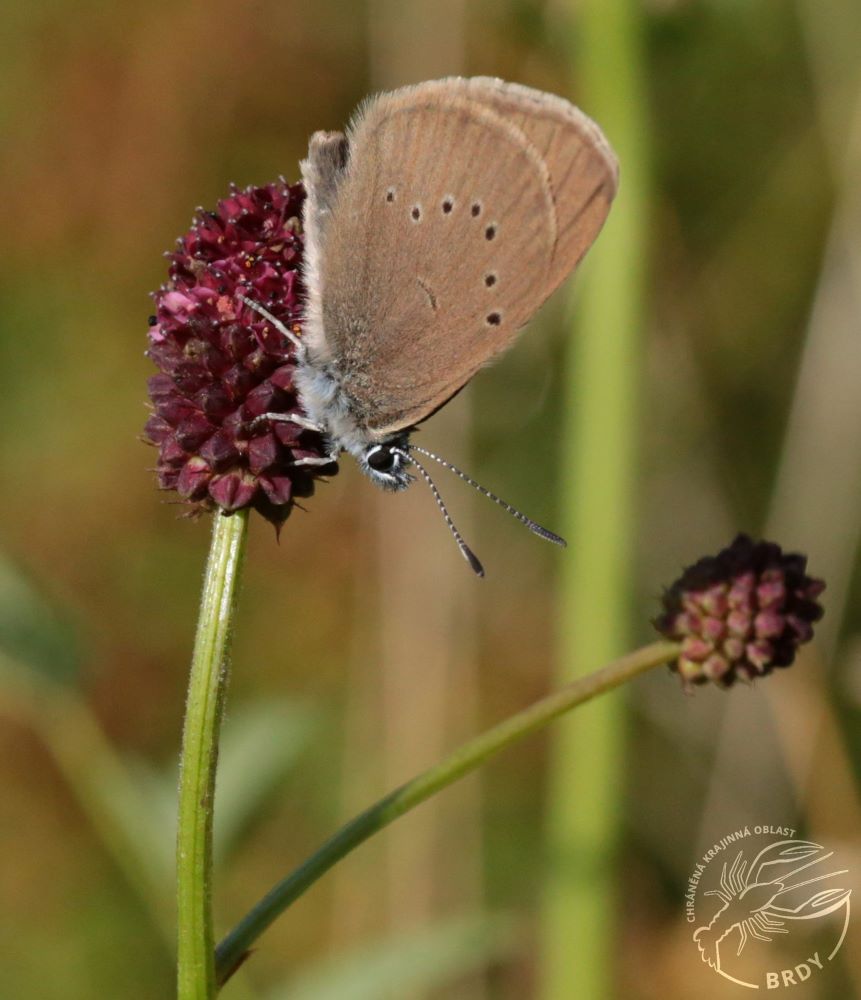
{"x": 382, "y": 459}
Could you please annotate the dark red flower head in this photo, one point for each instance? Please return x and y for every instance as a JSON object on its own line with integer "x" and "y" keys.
{"x": 741, "y": 613}
{"x": 221, "y": 365}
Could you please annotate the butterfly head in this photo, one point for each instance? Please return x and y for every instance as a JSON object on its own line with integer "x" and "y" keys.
{"x": 385, "y": 463}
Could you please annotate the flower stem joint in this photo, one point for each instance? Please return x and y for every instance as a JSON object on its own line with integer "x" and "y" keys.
{"x": 222, "y": 365}
{"x": 741, "y": 613}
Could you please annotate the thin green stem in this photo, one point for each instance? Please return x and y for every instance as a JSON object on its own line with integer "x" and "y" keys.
{"x": 233, "y": 949}
{"x": 204, "y": 709}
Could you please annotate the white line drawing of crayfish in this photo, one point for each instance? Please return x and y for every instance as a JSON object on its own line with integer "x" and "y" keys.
{"x": 753, "y": 897}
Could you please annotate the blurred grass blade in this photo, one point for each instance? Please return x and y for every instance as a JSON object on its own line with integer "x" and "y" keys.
{"x": 34, "y": 634}
{"x": 106, "y": 791}
{"x": 428, "y": 959}
{"x": 40, "y": 666}
{"x": 261, "y": 743}
{"x": 155, "y": 792}
{"x": 586, "y": 778}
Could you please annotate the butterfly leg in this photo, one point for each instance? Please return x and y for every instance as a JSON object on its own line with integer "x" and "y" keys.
{"x": 305, "y": 424}
{"x": 279, "y": 326}
{"x": 317, "y": 460}
{"x": 292, "y": 418}
{"x": 287, "y": 418}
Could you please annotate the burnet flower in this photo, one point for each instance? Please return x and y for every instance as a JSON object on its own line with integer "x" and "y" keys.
{"x": 741, "y": 613}
{"x": 221, "y": 365}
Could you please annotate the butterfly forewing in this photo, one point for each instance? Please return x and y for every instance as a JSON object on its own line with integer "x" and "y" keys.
{"x": 463, "y": 205}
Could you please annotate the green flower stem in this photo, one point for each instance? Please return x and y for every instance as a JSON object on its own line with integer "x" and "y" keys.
{"x": 204, "y": 709}
{"x": 234, "y": 948}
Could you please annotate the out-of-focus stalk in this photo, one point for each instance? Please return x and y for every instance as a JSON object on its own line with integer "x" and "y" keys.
{"x": 599, "y": 456}
{"x": 432, "y": 861}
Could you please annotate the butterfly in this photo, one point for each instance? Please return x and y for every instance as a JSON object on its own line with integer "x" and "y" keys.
{"x": 434, "y": 229}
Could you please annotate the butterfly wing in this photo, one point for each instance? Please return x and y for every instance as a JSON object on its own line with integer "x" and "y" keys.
{"x": 459, "y": 207}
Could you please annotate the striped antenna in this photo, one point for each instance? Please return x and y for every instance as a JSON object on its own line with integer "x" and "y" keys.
{"x": 532, "y": 525}
{"x": 465, "y": 550}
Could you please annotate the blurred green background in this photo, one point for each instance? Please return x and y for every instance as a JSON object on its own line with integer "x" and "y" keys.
{"x": 364, "y": 647}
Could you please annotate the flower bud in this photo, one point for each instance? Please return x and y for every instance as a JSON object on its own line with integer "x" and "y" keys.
{"x": 741, "y": 613}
